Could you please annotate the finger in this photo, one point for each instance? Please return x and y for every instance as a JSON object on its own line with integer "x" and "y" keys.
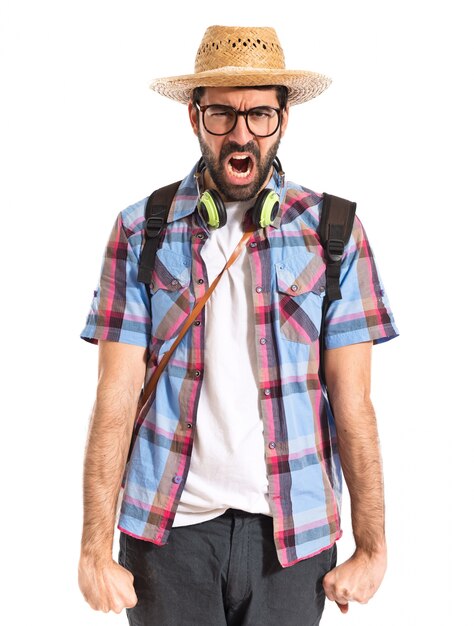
{"x": 132, "y": 600}
{"x": 330, "y": 595}
{"x": 343, "y": 607}
{"x": 329, "y": 586}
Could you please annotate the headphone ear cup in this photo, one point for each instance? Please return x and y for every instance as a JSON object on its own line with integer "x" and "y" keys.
{"x": 212, "y": 208}
{"x": 266, "y": 208}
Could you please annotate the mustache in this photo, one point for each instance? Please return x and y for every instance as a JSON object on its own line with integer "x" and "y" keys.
{"x": 231, "y": 147}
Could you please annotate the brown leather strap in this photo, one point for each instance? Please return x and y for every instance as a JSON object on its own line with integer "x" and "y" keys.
{"x": 150, "y": 386}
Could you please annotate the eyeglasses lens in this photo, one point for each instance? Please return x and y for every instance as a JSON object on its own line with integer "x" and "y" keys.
{"x": 261, "y": 121}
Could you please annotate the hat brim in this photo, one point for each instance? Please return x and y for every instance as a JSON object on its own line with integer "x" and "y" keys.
{"x": 302, "y": 86}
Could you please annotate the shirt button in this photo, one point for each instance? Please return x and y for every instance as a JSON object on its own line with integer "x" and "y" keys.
{"x": 200, "y": 236}
{"x": 197, "y": 323}
{"x": 258, "y": 289}
{"x": 177, "y": 479}
{"x": 200, "y": 281}
{"x": 253, "y": 244}
{"x": 294, "y": 287}
{"x": 321, "y": 288}
{"x": 272, "y": 445}
{"x": 174, "y": 282}
{"x": 267, "y": 392}
{"x": 189, "y": 425}
{"x": 197, "y": 373}
{"x": 263, "y": 341}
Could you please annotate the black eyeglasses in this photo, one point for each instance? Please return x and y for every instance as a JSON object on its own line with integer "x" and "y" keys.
{"x": 220, "y": 119}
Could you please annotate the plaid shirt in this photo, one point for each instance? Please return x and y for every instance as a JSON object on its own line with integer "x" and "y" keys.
{"x": 288, "y": 283}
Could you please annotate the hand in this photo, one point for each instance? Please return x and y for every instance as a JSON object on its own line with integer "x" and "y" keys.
{"x": 106, "y": 587}
{"x": 355, "y": 580}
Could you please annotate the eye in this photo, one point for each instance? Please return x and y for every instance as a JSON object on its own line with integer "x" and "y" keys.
{"x": 220, "y": 112}
{"x": 261, "y": 113}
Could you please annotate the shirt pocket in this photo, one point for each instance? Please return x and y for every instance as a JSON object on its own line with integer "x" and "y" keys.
{"x": 301, "y": 285}
{"x": 171, "y": 297}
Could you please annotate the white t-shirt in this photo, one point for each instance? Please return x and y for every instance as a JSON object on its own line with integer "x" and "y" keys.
{"x": 228, "y": 460}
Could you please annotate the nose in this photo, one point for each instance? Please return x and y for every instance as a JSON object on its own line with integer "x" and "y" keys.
{"x": 241, "y": 133}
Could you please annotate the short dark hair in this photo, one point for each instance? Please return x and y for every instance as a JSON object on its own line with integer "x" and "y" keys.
{"x": 281, "y": 93}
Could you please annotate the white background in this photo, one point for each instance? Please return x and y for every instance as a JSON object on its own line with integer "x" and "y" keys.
{"x": 82, "y": 137}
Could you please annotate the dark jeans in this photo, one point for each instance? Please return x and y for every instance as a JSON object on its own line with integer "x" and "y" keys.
{"x": 224, "y": 572}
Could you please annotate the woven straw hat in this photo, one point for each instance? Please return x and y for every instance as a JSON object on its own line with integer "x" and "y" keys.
{"x": 242, "y": 56}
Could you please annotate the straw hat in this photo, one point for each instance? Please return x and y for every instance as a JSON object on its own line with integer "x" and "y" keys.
{"x": 242, "y": 56}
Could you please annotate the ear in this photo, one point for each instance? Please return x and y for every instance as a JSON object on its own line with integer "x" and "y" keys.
{"x": 284, "y": 120}
{"x": 193, "y": 117}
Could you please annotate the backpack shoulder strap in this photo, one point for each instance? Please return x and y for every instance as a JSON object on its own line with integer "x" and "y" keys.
{"x": 337, "y": 219}
{"x": 335, "y": 228}
{"x": 156, "y": 216}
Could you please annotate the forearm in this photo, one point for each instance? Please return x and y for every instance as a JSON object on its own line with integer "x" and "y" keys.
{"x": 105, "y": 458}
{"x": 348, "y": 376}
{"x": 362, "y": 467}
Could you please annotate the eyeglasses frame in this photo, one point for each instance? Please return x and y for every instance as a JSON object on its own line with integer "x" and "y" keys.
{"x": 202, "y": 109}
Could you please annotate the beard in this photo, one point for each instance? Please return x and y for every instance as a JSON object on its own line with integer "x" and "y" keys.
{"x": 215, "y": 165}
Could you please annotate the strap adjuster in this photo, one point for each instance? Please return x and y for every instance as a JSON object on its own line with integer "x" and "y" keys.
{"x": 335, "y": 249}
{"x": 154, "y": 226}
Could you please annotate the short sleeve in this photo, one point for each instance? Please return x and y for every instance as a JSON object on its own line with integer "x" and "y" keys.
{"x": 120, "y": 309}
{"x": 363, "y": 313}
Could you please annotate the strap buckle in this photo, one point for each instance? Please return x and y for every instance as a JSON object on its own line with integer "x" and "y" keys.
{"x": 154, "y": 226}
{"x": 335, "y": 249}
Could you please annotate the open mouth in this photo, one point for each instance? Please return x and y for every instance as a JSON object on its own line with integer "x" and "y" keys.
{"x": 240, "y": 166}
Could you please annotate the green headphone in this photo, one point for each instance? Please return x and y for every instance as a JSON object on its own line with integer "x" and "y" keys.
{"x": 212, "y": 208}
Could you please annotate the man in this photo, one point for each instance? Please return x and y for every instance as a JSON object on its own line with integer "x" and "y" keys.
{"x": 231, "y": 502}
